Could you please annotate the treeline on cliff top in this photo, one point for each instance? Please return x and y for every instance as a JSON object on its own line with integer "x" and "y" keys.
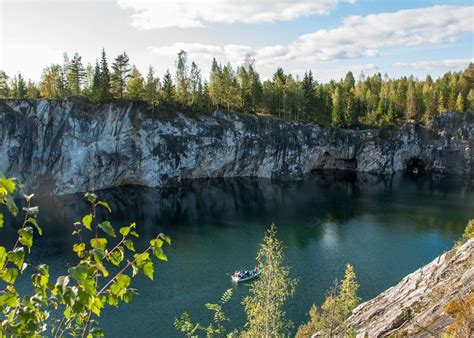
{"x": 368, "y": 101}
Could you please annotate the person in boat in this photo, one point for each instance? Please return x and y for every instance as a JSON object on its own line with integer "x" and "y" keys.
{"x": 255, "y": 270}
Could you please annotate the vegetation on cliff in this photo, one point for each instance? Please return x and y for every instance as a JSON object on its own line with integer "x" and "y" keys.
{"x": 370, "y": 101}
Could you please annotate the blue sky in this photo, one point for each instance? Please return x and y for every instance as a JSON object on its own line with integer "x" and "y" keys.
{"x": 329, "y": 37}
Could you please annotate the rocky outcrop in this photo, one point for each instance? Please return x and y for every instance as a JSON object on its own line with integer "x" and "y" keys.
{"x": 414, "y": 307}
{"x": 71, "y": 145}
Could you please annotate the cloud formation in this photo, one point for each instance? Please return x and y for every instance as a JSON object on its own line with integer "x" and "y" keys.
{"x": 438, "y": 64}
{"x": 356, "y": 37}
{"x": 149, "y": 14}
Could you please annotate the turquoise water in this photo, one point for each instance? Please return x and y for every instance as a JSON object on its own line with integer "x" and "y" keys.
{"x": 386, "y": 227}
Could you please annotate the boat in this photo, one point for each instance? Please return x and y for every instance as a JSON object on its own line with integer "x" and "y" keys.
{"x": 239, "y": 279}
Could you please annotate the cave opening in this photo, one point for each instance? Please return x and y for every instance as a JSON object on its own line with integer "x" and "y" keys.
{"x": 415, "y": 166}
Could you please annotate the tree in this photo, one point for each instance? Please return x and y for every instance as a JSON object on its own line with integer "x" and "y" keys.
{"x": 4, "y": 88}
{"x": 52, "y": 84}
{"x": 75, "y": 75}
{"x": 152, "y": 87}
{"x": 264, "y": 306}
{"x": 70, "y": 305}
{"x": 337, "y": 116}
{"x": 104, "y": 78}
{"x": 460, "y": 103}
{"x": 349, "y": 82}
{"x": 135, "y": 87}
{"x": 215, "y": 84}
{"x": 96, "y": 85}
{"x": 412, "y": 109}
{"x": 309, "y": 95}
{"x": 337, "y": 307}
{"x": 32, "y": 91}
{"x": 168, "y": 90}
{"x": 120, "y": 74}
{"x": 195, "y": 86}
{"x": 18, "y": 87}
{"x": 182, "y": 78}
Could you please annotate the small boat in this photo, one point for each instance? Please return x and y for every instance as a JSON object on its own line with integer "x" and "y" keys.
{"x": 243, "y": 278}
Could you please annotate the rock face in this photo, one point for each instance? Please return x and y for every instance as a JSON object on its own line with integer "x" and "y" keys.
{"x": 71, "y": 145}
{"x": 414, "y": 307}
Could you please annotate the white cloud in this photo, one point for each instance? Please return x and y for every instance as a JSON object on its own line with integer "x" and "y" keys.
{"x": 361, "y": 36}
{"x": 357, "y": 37}
{"x": 149, "y": 14}
{"x": 437, "y": 64}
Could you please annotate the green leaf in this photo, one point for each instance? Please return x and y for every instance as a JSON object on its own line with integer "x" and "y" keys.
{"x": 91, "y": 197}
{"x": 99, "y": 243}
{"x": 158, "y": 251}
{"x": 102, "y": 269}
{"x": 1, "y": 220}
{"x": 61, "y": 283}
{"x": 129, "y": 245}
{"x": 141, "y": 259}
{"x": 128, "y": 295}
{"x": 79, "y": 248}
{"x": 107, "y": 228}
{"x": 17, "y": 256}
{"x": 3, "y": 256}
{"x": 9, "y": 275}
{"x": 9, "y": 299}
{"x": 105, "y": 205}
{"x": 26, "y": 237}
{"x": 35, "y": 223}
{"x": 8, "y": 184}
{"x": 165, "y": 238}
{"x": 82, "y": 276}
{"x": 11, "y": 206}
{"x": 87, "y": 220}
{"x": 148, "y": 269}
{"x": 116, "y": 257}
{"x": 120, "y": 284}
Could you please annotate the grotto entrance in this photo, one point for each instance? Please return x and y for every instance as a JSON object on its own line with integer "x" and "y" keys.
{"x": 415, "y": 166}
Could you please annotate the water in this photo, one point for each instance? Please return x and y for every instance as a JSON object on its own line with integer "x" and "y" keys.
{"x": 386, "y": 227}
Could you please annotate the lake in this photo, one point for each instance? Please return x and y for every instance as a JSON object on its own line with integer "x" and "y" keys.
{"x": 386, "y": 227}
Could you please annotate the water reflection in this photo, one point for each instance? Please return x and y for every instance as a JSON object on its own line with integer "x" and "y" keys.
{"x": 385, "y": 226}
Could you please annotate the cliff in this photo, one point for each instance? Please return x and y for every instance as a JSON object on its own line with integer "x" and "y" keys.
{"x": 71, "y": 145}
{"x": 414, "y": 307}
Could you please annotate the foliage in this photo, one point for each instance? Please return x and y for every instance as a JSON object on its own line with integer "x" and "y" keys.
{"x": 185, "y": 325}
{"x": 337, "y": 307}
{"x": 264, "y": 305}
{"x": 462, "y": 312}
{"x": 467, "y": 235}
{"x": 376, "y": 100}
{"x": 107, "y": 262}
{"x": 268, "y": 294}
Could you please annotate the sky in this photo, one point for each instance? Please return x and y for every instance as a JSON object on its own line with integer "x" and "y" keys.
{"x": 329, "y": 37}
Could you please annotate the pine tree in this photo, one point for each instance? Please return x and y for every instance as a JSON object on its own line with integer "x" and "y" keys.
{"x": 135, "y": 87}
{"x": 104, "y": 79}
{"x": 168, "y": 90}
{"x": 4, "y": 88}
{"x": 152, "y": 87}
{"x": 120, "y": 74}
{"x": 18, "y": 87}
{"x": 309, "y": 95}
{"x": 75, "y": 75}
{"x": 279, "y": 79}
{"x": 96, "y": 85}
{"x": 349, "y": 82}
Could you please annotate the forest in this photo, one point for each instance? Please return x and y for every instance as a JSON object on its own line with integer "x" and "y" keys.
{"x": 368, "y": 101}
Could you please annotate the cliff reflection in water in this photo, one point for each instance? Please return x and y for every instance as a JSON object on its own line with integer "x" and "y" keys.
{"x": 326, "y": 197}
